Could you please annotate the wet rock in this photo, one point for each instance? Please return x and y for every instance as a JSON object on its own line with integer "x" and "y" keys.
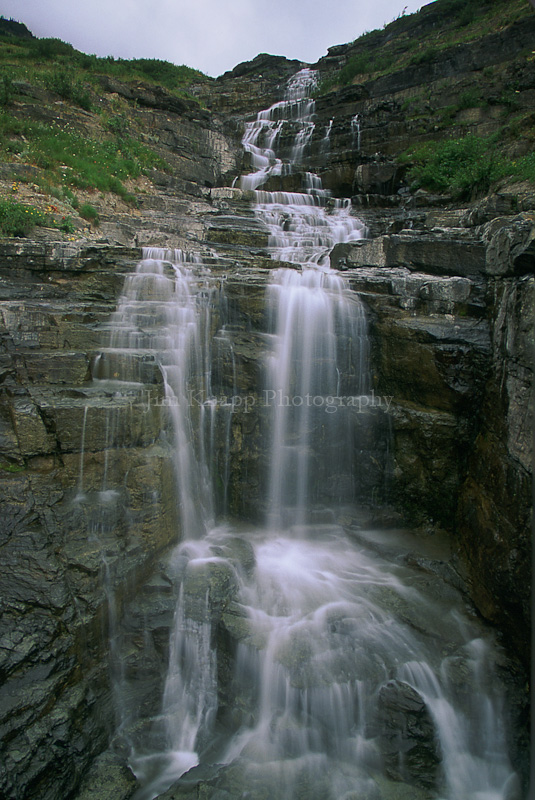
{"x": 407, "y": 737}
{"x": 494, "y": 515}
{"x": 438, "y": 253}
{"x": 394, "y": 790}
{"x": 377, "y": 178}
{"x": 107, "y": 779}
{"x": 209, "y": 587}
{"x": 511, "y": 246}
{"x": 238, "y": 231}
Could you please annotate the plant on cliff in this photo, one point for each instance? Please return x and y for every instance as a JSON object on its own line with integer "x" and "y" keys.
{"x": 421, "y": 38}
{"x": 18, "y": 219}
{"x": 466, "y": 167}
{"x": 89, "y": 213}
{"x": 7, "y": 90}
{"x": 65, "y": 83}
{"x": 462, "y": 167}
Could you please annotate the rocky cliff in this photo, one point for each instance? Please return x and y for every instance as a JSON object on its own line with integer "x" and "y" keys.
{"x": 449, "y": 290}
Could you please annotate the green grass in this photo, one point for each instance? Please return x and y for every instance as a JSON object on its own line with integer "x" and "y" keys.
{"x": 461, "y": 21}
{"x": 53, "y": 55}
{"x": 467, "y": 167}
{"x": 72, "y": 159}
{"x": 19, "y": 219}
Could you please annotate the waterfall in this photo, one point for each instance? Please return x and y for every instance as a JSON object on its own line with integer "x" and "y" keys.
{"x": 319, "y": 342}
{"x": 307, "y": 660}
{"x": 163, "y": 317}
{"x": 326, "y": 141}
{"x": 319, "y": 345}
{"x": 355, "y": 128}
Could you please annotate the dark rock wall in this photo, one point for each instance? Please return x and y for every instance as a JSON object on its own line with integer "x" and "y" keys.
{"x": 452, "y": 351}
{"x": 495, "y": 506}
{"x": 452, "y": 316}
{"x": 63, "y": 561}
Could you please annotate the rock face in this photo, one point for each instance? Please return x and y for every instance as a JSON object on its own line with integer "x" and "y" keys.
{"x": 450, "y": 297}
{"x": 453, "y": 346}
{"x": 451, "y": 351}
{"x": 408, "y": 734}
{"x": 55, "y": 612}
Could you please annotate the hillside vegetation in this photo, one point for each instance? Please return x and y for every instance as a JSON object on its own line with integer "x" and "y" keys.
{"x": 471, "y": 135}
{"x": 76, "y": 138}
{"x": 83, "y": 147}
{"x": 421, "y": 37}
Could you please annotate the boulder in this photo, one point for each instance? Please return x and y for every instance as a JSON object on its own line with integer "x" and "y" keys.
{"x": 407, "y": 736}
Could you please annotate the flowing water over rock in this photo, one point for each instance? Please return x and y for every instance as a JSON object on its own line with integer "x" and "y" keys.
{"x": 307, "y": 659}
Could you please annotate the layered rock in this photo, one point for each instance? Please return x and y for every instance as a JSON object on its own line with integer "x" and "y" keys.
{"x": 452, "y": 313}
{"x": 67, "y": 561}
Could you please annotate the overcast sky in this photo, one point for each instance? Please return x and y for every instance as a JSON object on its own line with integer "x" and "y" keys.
{"x": 210, "y": 35}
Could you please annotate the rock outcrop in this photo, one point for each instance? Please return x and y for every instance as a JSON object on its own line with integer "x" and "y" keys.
{"x": 453, "y": 346}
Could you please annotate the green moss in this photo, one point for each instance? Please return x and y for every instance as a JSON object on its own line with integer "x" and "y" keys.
{"x": 13, "y": 468}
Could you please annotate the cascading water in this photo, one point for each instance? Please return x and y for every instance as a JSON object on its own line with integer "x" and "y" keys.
{"x": 319, "y": 354}
{"x": 161, "y": 337}
{"x": 356, "y": 131}
{"x": 307, "y": 661}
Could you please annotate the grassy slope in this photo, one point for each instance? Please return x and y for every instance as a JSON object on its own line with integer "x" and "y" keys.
{"x": 421, "y": 37}
{"x": 90, "y": 144}
{"x": 453, "y": 161}
{"x": 84, "y": 146}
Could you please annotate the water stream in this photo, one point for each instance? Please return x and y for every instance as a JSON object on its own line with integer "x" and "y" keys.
{"x": 307, "y": 660}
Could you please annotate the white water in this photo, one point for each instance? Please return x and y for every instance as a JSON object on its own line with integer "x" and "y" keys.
{"x": 319, "y": 351}
{"x": 356, "y": 130}
{"x": 161, "y": 356}
{"x": 323, "y": 624}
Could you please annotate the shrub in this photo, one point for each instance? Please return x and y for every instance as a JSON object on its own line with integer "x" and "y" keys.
{"x": 524, "y": 167}
{"x": 469, "y": 99}
{"x": 18, "y": 219}
{"x": 7, "y": 90}
{"x": 64, "y": 83}
{"x": 163, "y": 72}
{"x": 66, "y": 225}
{"x": 90, "y": 213}
{"x": 464, "y": 167}
{"x": 117, "y": 125}
{"x": 50, "y": 48}
{"x": 424, "y": 56}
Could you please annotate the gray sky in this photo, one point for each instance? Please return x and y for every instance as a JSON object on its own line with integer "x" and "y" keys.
{"x": 210, "y": 35}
